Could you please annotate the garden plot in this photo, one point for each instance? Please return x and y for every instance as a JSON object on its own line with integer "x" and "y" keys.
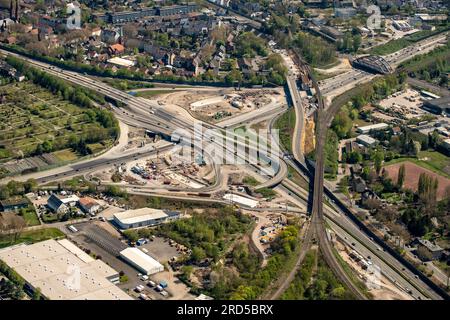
{"x": 34, "y": 123}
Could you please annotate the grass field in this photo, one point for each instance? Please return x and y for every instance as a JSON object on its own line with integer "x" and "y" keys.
{"x": 31, "y": 115}
{"x": 65, "y": 155}
{"x": 30, "y": 237}
{"x": 286, "y": 124}
{"x": 30, "y": 217}
{"x": 295, "y": 177}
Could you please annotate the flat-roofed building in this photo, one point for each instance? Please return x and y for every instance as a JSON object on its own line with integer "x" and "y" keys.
{"x": 438, "y": 106}
{"x": 14, "y": 204}
{"x": 141, "y": 261}
{"x": 121, "y": 62}
{"x": 366, "y": 140}
{"x": 446, "y": 144}
{"x": 428, "y": 250}
{"x": 144, "y": 217}
{"x": 373, "y": 127}
{"x": 62, "y": 271}
{"x": 241, "y": 200}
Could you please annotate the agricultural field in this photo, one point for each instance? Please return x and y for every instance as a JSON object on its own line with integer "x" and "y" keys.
{"x": 412, "y": 174}
{"x": 35, "y": 122}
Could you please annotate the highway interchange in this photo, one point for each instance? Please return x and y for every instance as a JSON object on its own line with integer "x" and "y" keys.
{"x": 136, "y": 113}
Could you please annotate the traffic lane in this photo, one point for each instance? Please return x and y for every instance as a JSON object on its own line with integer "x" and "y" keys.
{"x": 97, "y": 164}
{"x": 344, "y": 222}
{"x": 363, "y": 238}
{"x": 384, "y": 268}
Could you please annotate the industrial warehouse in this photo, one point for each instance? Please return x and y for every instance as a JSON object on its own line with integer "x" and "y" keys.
{"x": 62, "y": 271}
{"x": 141, "y": 261}
{"x": 143, "y": 217}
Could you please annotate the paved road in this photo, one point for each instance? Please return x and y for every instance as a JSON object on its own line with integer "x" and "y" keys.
{"x": 346, "y": 81}
{"x": 148, "y": 114}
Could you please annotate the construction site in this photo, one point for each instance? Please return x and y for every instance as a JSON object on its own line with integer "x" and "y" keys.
{"x": 168, "y": 170}
{"x": 215, "y": 106}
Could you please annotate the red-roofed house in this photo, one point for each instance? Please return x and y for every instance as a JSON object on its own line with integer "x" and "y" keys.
{"x": 89, "y": 205}
{"x": 117, "y": 49}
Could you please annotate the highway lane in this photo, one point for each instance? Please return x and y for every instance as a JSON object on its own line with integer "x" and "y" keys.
{"x": 324, "y": 122}
{"x": 124, "y": 99}
{"x": 338, "y": 222}
{"x": 338, "y": 84}
{"x": 137, "y": 112}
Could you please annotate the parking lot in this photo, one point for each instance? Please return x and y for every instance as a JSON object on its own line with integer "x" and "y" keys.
{"x": 94, "y": 237}
{"x": 404, "y": 104}
{"x": 160, "y": 249}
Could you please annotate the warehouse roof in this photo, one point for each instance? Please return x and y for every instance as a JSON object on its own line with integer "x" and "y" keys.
{"x": 51, "y": 266}
{"x": 140, "y": 215}
{"x": 241, "y": 200}
{"x": 376, "y": 126}
{"x": 366, "y": 139}
{"x": 121, "y": 62}
{"x": 142, "y": 260}
{"x": 442, "y": 103}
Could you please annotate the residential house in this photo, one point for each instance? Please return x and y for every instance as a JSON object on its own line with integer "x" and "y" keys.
{"x": 110, "y": 36}
{"x": 116, "y": 49}
{"x": 89, "y": 205}
{"x": 426, "y": 250}
{"x": 358, "y": 184}
{"x": 11, "y": 40}
{"x": 14, "y": 204}
{"x": 61, "y": 204}
{"x": 55, "y": 204}
{"x": 96, "y": 32}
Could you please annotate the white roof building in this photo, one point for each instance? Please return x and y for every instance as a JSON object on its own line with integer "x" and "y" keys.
{"x": 72, "y": 199}
{"x": 121, "y": 62}
{"x": 374, "y": 127}
{"x": 241, "y": 200}
{"x": 62, "y": 271}
{"x": 143, "y": 217}
{"x": 141, "y": 261}
{"x": 366, "y": 140}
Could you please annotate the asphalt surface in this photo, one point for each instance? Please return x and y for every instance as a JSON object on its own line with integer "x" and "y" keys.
{"x": 136, "y": 113}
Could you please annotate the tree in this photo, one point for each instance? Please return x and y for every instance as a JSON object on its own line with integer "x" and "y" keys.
{"x": 356, "y": 42}
{"x": 187, "y": 271}
{"x": 378, "y": 158}
{"x": 132, "y": 235}
{"x": 401, "y": 176}
{"x": 198, "y": 254}
{"x": 36, "y": 294}
{"x": 427, "y": 189}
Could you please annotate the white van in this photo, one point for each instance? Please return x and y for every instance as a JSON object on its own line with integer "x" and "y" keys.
{"x": 144, "y": 277}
